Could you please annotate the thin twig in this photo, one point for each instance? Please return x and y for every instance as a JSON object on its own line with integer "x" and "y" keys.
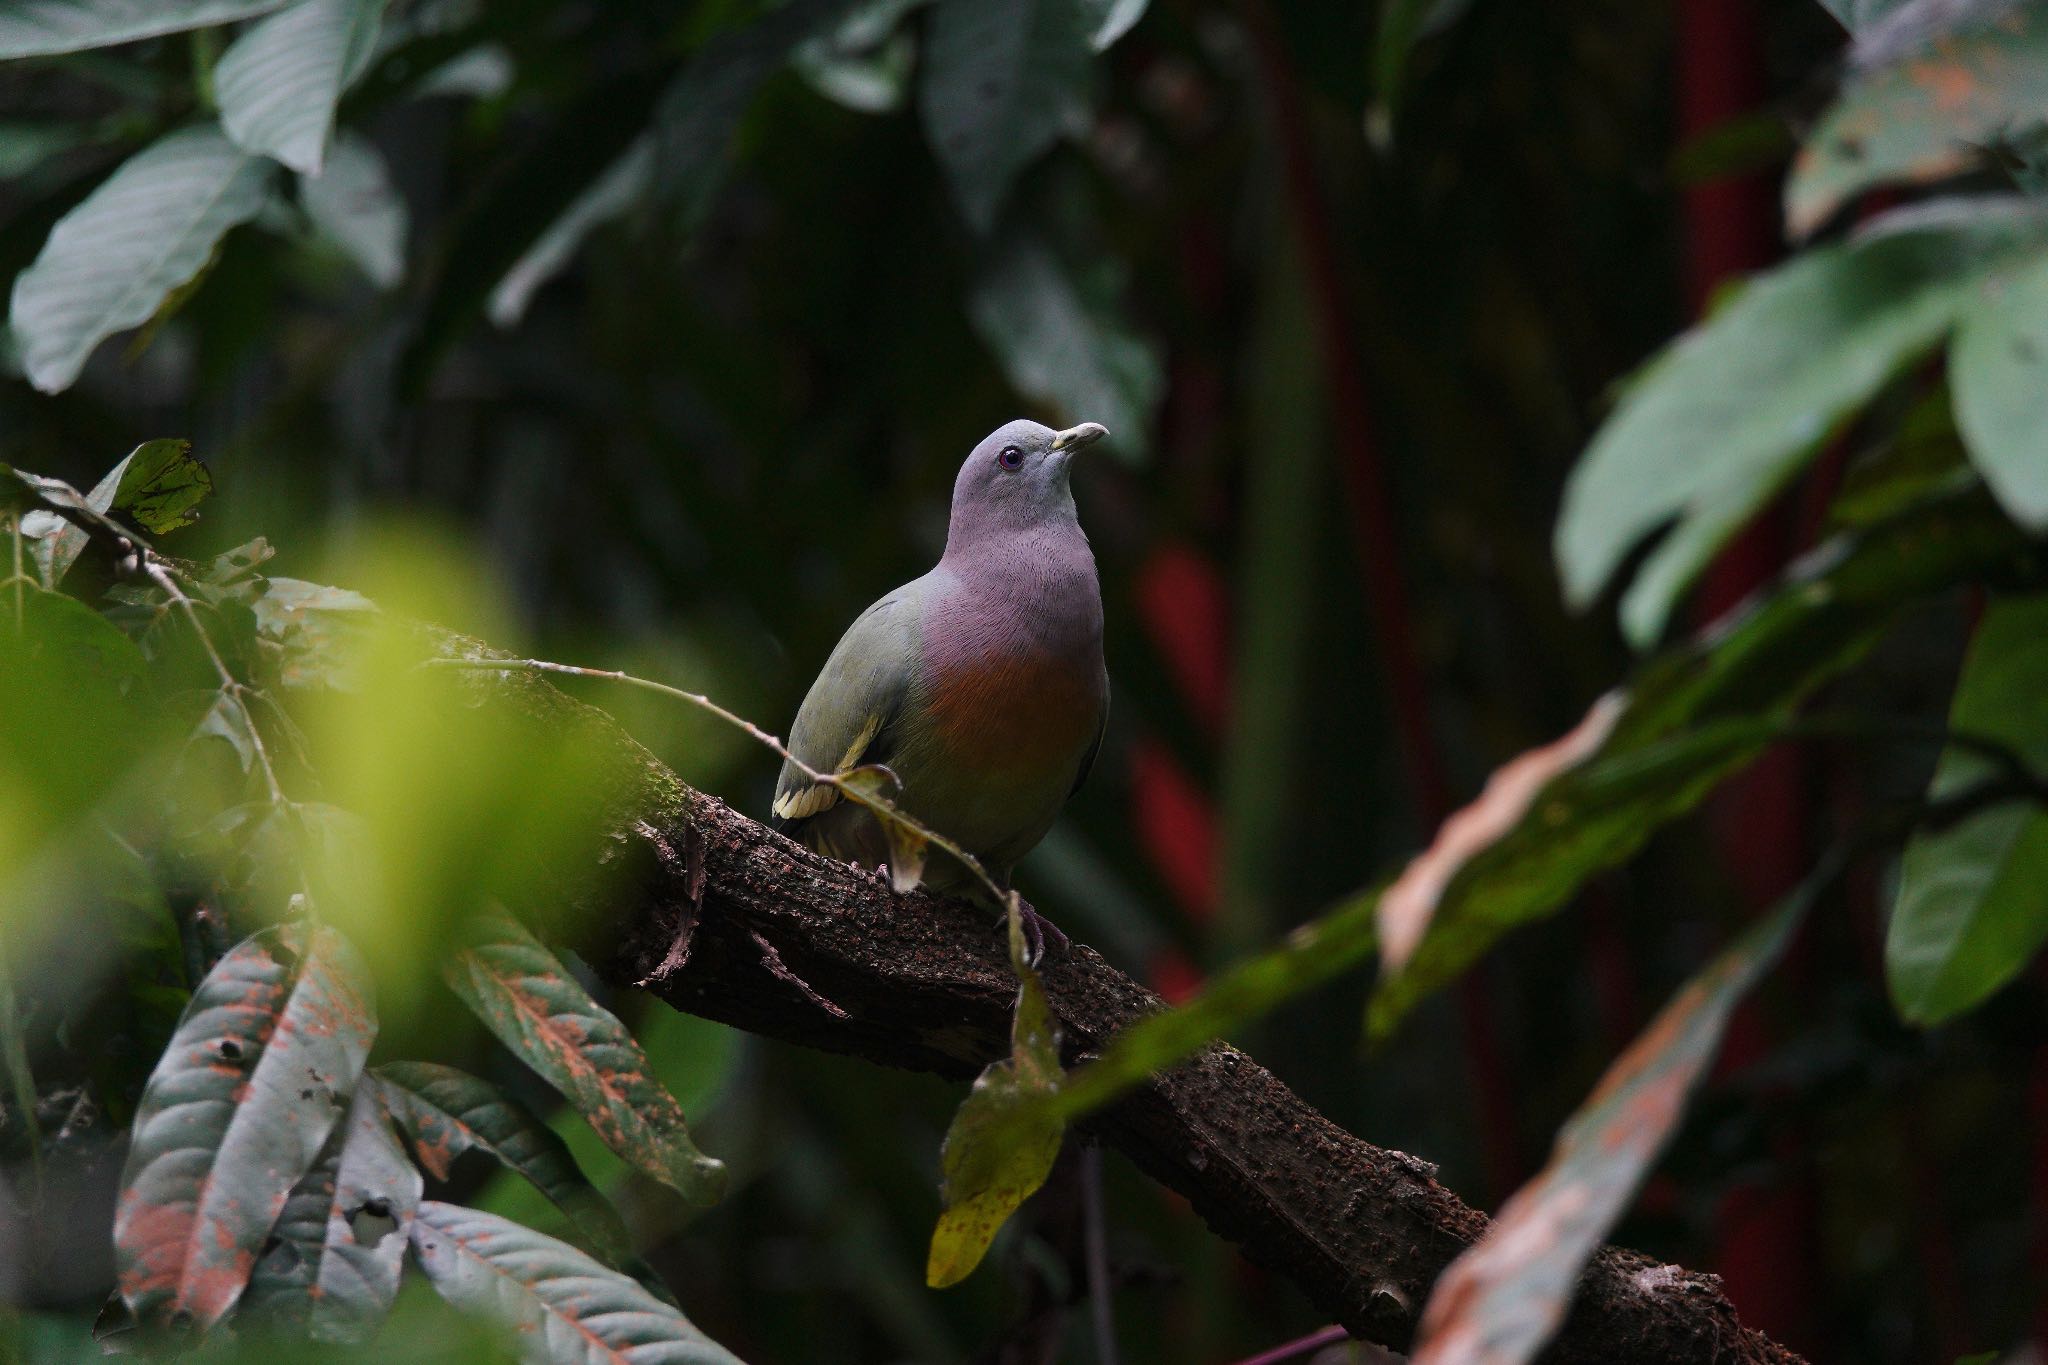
{"x": 1095, "y": 1240}
{"x": 230, "y": 685}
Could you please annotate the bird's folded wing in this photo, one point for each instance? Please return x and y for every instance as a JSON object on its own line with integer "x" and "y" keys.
{"x": 845, "y": 720}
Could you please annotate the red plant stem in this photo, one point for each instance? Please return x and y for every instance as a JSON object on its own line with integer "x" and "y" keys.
{"x": 1377, "y": 542}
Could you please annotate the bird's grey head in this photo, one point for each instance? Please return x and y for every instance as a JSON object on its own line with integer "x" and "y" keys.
{"x": 1016, "y": 479}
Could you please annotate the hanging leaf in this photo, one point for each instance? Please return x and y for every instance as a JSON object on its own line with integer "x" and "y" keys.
{"x": 1063, "y": 340}
{"x": 1972, "y": 907}
{"x": 1718, "y": 422}
{"x": 110, "y": 262}
{"x": 622, "y": 185}
{"x": 1503, "y": 1299}
{"x": 256, "y": 1076}
{"x": 542, "y": 1013}
{"x": 565, "y": 1308}
{"x": 376, "y": 1194}
{"x": 1923, "y": 101}
{"x": 279, "y": 1298}
{"x": 40, "y": 28}
{"x": 1998, "y": 372}
{"x": 278, "y": 82}
{"x": 354, "y": 205}
{"x": 1002, "y": 80}
{"x": 1002, "y": 1142}
{"x": 445, "y": 1113}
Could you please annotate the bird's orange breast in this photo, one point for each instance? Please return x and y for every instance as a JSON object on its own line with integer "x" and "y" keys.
{"x": 1017, "y": 713}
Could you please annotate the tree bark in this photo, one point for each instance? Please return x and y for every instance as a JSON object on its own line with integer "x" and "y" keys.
{"x": 721, "y": 917}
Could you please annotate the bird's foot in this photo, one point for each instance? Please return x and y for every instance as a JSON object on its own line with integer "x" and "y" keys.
{"x": 1038, "y": 932}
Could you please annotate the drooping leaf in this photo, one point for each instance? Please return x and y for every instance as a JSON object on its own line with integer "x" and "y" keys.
{"x": 38, "y": 28}
{"x": 1972, "y": 907}
{"x": 278, "y": 82}
{"x": 1503, "y": 1299}
{"x": 445, "y": 1113}
{"x": 1718, "y": 422}
{"x": 376, "y": 1194}
{"x": 280, "y": 1293}
{"x": 864, "y": 61}
{"x": 541, "y": 1012}
{"x": 1062, "y": 340}
{"x": 1002, "y": 1143}
{"x": 566, "y": 1308}
{"x": 353, "y": 204}
{"x": 255, "y": 1078}
{"x": 1922, "y": 102}
{"x": 609, "y": 197}
{"x": 111, "y": 261}
{"x": 1998, "y": 372}
{"x": 1002, "y": 80}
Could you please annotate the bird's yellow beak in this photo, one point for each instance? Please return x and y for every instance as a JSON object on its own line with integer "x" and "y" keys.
{"x": 1073, "y": 438}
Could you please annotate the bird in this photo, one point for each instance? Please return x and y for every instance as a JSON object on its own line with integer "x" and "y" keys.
{"x": 981, "y": 686}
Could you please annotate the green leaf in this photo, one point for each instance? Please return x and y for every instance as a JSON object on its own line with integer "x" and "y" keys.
{"x": 1002, "y": 1142}
{"x": 1403, "y": 24}
{"x": 21, "y": 1081}
{"x": 1859, "y": 16}
{"x": 1998, "y": 372}
{"x": 376, "y": 1194}
{"x": 1973, "y": 898}
{"x": 1505, "y": 1297}
{"x": 39, "y": 28}
{"x": 610, "y": 196}
{"x": 278, "y": 83}
{"x": 158, "y": 484}
{"x": 566, "y": 1308}
{"x": 1113, "y": 19}
{"x": 235, "y": 1113}
{"x": 445, "y": 1113}
{"x": 1921, "y": 103}
{"x": 1002, "y": 80}
{"x": 864, "y": 61}
{"x": 1719, "y": 421}
{"x": 538, "y": 1010}
{"x": 280, "y": 1293}
{"x": 1064, "y": 341}
{"x": 110, "y": 262}
{"x": 354, "y": 205}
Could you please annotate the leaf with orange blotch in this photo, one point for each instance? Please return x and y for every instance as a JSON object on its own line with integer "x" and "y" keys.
{"x": 238, "y": 1108}
{"x": 1503, "y": 1299}
{"x": 376, "y": 1193}
{"x": 1922, "y": 103}
{"x": 541, "y": 1012}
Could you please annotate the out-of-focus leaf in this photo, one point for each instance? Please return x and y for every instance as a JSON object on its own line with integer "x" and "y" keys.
{"x": 1720, "y": 420}
{"x": 376, "y": 1193}
{"x": 1972, "y": 907}
{"x": 280, "y": 1293}
{"x": 445, "y": 1113}
{"x": 1503, "y": 1299}
{"x": 1063, "y": 341}
{"x": 864, "y": 62}
{"x": 542, "y": 1013}
{"x": 1002, "y": 1142}
{"x": 317, "y": 626}
{"x": 1998, "y": 371}
{"x": 1858, "y": 16}
{"x": 279, "y": 81}
{"x": 111, "y": 261}
{"x": 1921, "y": 102}
{"x": 566, "y": 1308}
{"x": 1115, "y": 18}
{"x": 1403, "y": 24}
{"x": 25, "y": 145}
{"x": 237, "y": 1110}
{"x": 1921, "y": 460}
{"x": 37, "y": 28}
{"x": 21, "y": 1080}
{"x": 1002, "y": 80}
{"x": 610, "y": 196}
{"x": 354, "y": 205}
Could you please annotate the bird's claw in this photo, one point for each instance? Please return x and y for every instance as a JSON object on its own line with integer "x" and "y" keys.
{"x": 1038, "y": 932}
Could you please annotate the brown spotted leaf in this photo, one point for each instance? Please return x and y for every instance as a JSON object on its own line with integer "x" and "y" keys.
{"x": 239, "y": 1106}
{"x": 279, "y": 1298}
{"x": 564, "y": 1307}
{"x": 1002, "y": 1143}
{"x": 1505, "y": 1297}
{"x": 541, "y": 1012}
{"x": 376, "y": 1192}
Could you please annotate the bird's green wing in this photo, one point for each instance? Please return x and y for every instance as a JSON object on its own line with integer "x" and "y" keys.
{"x": 846, "y": 719}
{"x": 1094, "y": 745}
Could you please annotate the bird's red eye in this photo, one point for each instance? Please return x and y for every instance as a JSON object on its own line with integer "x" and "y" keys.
{"x": 1009, "y": 457}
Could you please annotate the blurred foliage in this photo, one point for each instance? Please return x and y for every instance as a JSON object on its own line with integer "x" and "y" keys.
{"x": 651, "y": 334}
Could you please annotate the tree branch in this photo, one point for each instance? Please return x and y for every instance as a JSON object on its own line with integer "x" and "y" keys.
{"x": 723, "y": 918}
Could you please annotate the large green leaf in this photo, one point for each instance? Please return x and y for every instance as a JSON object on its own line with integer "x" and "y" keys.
{"x": 1922, "y": 101}
{"x": 1719, "y": 421}
{"x": 279, "y": 82}
{"x": 446, "y": 1112}
{"x": 157, "y": 484}
{"x": 1504, "y": 1298}
{"x": 1062, "y": 340}
{"x": 258, "y": 1073}
{"x": 113, "y": 260}
{"x": 354, "y": 205}
{"x": 1002, "y": 80}
{"x": 1998, "y": 371}
{"x": 376, "y": 1193}
{"x": 1002, "y": 1142}
{"x": 565, "y": 1307}
{"x": 540, "y": 1011}
{"x": 36, "y": 28}
{"x": 1973, "y": 898}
